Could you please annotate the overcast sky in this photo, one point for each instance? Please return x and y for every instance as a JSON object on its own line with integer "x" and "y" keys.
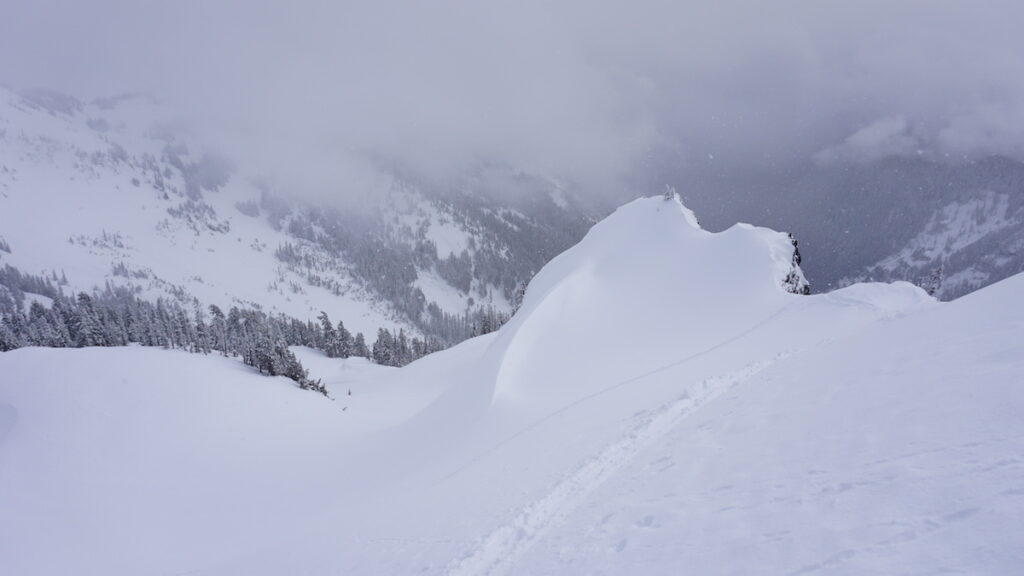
{"x": 588, "y": 91}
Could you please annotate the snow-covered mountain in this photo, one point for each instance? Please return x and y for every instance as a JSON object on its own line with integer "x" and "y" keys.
{"x": 965, "y": 245}
{"x": 117, "y": 191}
{"x": 951, "y": 226}
{"x": 662, "y": 400}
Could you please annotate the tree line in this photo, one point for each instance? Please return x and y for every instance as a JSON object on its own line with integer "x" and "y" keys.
{"x": 116, "y": 316}
{"x": 388, "y": 259}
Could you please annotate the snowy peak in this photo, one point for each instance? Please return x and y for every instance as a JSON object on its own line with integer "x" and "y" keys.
{"x": 650, "y": 276}
{"x": 645, "y": 287}
{"x": 662, "y": 240}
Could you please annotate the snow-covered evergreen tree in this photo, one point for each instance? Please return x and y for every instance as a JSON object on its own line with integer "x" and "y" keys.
{"x": 932, "y": 283}
{"x": 359, "y": 347}
{"x": 344, "y": 341}
{"x": 384, "y": 348}
{"x": 330, "y": 336}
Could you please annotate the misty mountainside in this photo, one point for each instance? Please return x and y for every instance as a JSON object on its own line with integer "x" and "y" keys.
{"x": 948, "y": 226}
{"x": 664, "y": 397}
{"x": 117, "y": 192}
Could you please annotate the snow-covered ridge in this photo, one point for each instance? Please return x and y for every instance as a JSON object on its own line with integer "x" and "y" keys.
{"x": 659, "y": 398}
{"x": 648, "y": 261}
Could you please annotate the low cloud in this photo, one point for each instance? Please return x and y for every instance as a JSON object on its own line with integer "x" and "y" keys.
{"x": 990, "y": 130}
{"x": 984, "y": 131}
{"x": 593, "y": 94}
{"x": 890, "y": 137}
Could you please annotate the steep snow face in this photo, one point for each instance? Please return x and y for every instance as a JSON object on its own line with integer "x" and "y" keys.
{"x": 646, "y": 282}
{"x": 646, "y": 265}
{"x": 658, "y": 401}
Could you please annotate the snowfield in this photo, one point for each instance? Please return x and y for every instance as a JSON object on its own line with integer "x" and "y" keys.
{"x": 658, "y": 405}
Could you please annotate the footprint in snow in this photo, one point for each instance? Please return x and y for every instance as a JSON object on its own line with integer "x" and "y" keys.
{"x": 646, "y": 521}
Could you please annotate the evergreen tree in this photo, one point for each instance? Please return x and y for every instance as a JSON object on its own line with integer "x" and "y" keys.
{"x": 89, "y": 327}
{"x": 383, "y": 348}
{"x": 41, "y": 326}
{"x": 359, "y": 347}
{"x": 517, "y": 297}
{"x": 401, "y": 353}
{"x": 218, "y": 330}
{"x": 344, "y": 341}
{"x": 235, "y": 332}
{"x": 202, "y": 335}
{"x": 8, "y": 339}
{"x": 932, "y": 283}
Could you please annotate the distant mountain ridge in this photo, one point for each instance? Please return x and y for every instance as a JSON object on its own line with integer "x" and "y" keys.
{"x": 114, "y": 191}
{"x": 951, "y": 227}
{"x": 965, "y": 245}
{"x": 111, "y": 191}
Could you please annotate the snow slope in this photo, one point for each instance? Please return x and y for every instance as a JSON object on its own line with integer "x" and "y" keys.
{"x": 90, "y": 191}
{"x": 895, "y": 450}
{"x": 658, "y": 404}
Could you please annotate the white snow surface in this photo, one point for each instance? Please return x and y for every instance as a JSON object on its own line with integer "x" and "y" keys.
{"x": 658, "y": 405}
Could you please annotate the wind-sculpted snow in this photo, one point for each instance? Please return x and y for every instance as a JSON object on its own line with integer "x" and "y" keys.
{"x": 659, "y": 402}
{"x": 646, "y": 265}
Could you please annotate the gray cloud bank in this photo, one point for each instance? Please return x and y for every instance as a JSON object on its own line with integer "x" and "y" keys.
{"x": 592, "y": 92}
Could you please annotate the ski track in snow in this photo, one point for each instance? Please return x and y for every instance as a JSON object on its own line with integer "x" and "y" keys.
{"x": 732, "y": 339}
{"x": 498, "y": 552}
